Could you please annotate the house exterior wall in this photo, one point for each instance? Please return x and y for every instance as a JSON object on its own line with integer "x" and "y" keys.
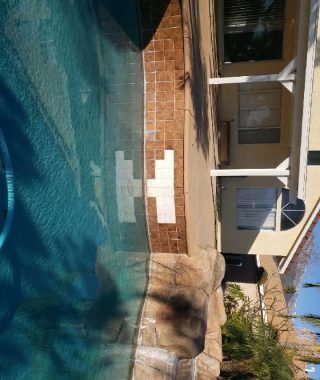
{"x": 260, "y": 155}
{"x": 246, "y": 156}
{"x": 277, "y": 243}
{"x": 254, "y": 155}
{"x": 314, "y": 137}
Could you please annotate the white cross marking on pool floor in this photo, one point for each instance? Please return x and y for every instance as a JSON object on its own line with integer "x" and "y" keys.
{"x": 162, "y": 187}
{"x": 127, "y": 188}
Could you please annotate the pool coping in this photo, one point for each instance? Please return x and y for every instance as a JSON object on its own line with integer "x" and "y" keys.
{"x": 164, "y": 124}
{"x": 152, "y": 356}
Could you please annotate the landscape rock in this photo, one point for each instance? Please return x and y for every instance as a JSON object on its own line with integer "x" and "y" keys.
{"x": 184, "y": 369}
{"x": 182, "y": 317}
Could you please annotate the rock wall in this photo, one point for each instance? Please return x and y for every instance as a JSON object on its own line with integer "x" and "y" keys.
{"x": 180, "y": 328}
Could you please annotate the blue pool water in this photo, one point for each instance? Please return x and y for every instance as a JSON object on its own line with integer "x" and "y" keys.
{"x": 72, "y": 270}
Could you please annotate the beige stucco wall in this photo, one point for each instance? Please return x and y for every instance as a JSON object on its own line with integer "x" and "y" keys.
{"x": 267, "y": 156}
{"x": 254, "y": 155}
{"x": 276, "y": 242}
{"x": 260, "y": 155}
{"x": 314, "y": 137}
{"x": 251, "y": 291}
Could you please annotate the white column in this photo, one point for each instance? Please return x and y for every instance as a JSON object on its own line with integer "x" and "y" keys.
{"x": 252, "y": 78}
{"x": 278, "y": 172}
{"x": 286, "y": 77}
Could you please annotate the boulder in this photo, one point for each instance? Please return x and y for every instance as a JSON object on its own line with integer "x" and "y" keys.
{"x": 182, "y": 317}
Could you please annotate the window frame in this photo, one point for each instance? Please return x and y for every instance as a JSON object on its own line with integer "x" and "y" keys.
{"x": 221, "y": 27}
{"x": 280, "y": 90}
{"x": 275, "y": 210}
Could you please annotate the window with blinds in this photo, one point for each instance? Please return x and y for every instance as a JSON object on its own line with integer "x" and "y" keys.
{"x": 259, "y": 113}
{"x": 253, "y": 30}
{"x": 256, "y": 208}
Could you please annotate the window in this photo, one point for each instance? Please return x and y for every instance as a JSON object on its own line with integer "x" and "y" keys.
{"x": 291, "y": 214}
{"x": 260, "y": 113}
{"x": 256, "y": 208}
{"x": 233, "y": 260}
{"x": 253, "y": 30}
{"x": 314, "y": 157}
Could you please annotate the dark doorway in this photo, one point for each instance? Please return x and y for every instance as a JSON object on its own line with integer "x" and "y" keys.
{"x": 241, "y": 268}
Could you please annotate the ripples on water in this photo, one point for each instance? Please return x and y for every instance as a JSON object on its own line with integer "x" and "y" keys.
{"x": 72, "y": 272}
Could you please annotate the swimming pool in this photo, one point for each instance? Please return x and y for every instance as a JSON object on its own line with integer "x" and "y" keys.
{"x": 72, "y": 270}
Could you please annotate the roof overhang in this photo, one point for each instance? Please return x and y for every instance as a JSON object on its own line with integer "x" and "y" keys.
{"x": 302, "y": 98}
{"x": 286, "y": 260}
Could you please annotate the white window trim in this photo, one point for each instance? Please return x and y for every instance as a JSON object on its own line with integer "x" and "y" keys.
{"x": 276, "y": 210}
{"x": 280, "y": 89}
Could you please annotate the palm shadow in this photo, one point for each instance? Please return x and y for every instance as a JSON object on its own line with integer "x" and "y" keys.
{"x": 198, "y": 81}
{"x": 45, "y": 309}
{"x": 187, "y": 320}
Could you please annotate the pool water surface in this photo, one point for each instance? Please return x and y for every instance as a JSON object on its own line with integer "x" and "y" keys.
{"x": 73, "y": 268}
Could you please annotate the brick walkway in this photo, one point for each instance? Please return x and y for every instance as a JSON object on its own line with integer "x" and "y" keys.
{"x": 164, "y": 126}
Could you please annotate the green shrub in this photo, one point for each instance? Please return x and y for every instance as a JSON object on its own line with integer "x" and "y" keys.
{"x": 251, "y": 348}
{"x": 290, "y": 290}
{"x": 233, "y": 297}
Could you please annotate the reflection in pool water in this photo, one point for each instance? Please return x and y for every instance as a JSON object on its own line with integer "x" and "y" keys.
{"x": 72, "y": 271}
{"x": 7, "y": 196}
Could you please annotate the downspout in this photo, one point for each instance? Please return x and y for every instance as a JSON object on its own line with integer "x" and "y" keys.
{"x": 262, "y": 296}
